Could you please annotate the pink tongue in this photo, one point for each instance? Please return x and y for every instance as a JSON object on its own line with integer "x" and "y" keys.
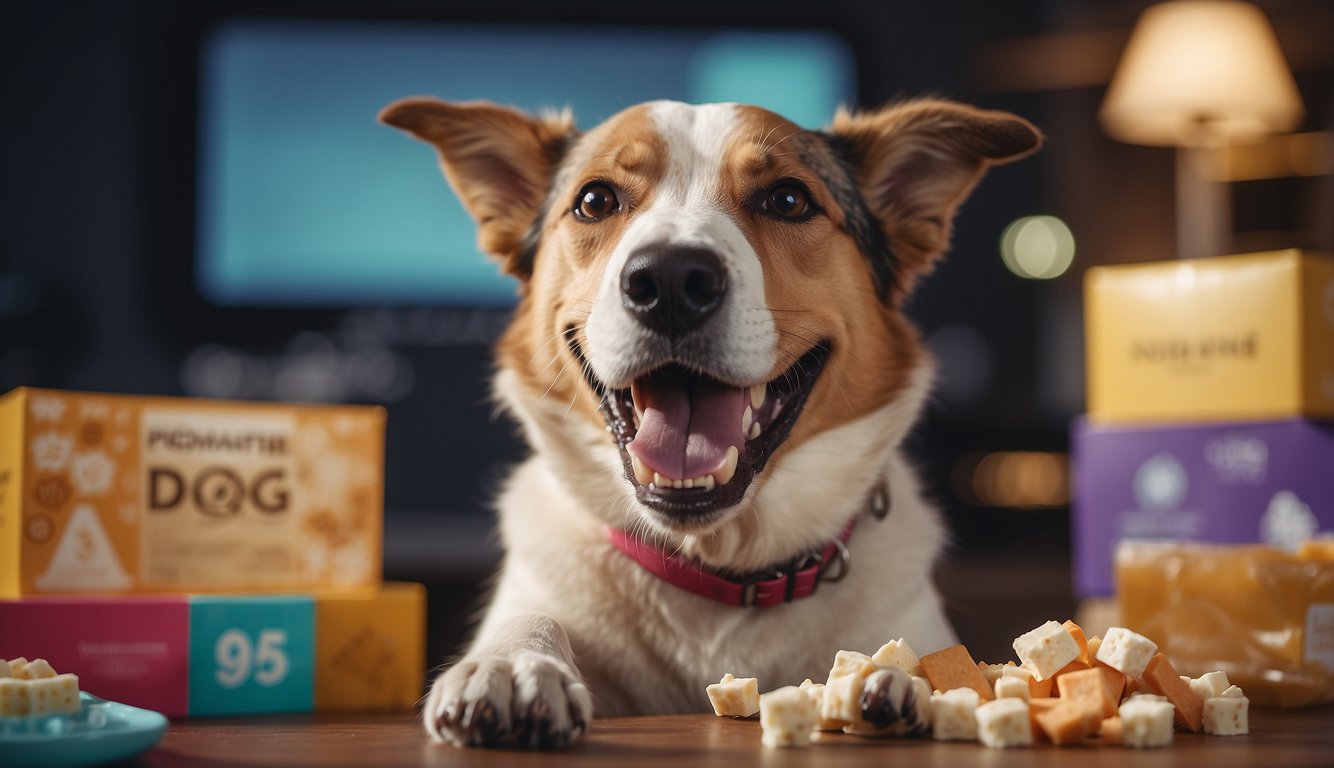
{"x": 688, "y": 423}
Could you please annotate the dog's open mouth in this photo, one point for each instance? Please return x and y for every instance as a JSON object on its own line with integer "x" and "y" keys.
{"x": 692, "y": 444}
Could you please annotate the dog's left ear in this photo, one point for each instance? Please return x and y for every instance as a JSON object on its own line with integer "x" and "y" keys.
{"x": 916, "y": 162}
{"x": 499, "y": 161}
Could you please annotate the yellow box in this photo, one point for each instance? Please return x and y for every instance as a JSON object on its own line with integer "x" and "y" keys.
{"x": 370, "y": 648}
{"x": 1229, "y": 338}
{"x": 125, "y": 493}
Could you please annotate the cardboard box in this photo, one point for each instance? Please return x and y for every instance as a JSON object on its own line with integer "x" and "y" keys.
{"x": 1243, "y": 482}
{"x": 232, "y": 654}
{"x": 122, "y": 493}
{"x": 1222, "y": 339}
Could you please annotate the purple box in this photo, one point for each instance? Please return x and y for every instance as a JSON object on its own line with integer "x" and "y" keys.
{"x": 1241, "y": 482}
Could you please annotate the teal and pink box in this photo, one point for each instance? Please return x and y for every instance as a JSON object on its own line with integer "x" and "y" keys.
{"x": 199, "y": 655}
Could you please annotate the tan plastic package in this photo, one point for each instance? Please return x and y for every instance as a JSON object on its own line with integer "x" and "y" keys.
{"x": 1263, "y": 615}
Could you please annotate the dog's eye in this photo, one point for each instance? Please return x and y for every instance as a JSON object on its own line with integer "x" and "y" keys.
{"x": 788, "y": 201}
{"x": 595, "y": 201}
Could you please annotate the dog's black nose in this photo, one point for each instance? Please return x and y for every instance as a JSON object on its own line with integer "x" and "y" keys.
{"x": 673, "y": 289}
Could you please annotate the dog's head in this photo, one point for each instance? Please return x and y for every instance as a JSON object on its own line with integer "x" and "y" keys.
{"x": 710, "y": 295}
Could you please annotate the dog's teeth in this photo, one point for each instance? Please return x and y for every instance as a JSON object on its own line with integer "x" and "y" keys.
{"x": 754, "y": 430}
{"x": 689, "y": 482}
{"x": 757, "y": 393}
{"x": 705, "y": 482}
{"x": 642, "y": 473}
{"x": 747, "y": 419}
{"x": 661, "y": 481}
{"x": 678, "y": 484}
{"x": 725, "y": 472}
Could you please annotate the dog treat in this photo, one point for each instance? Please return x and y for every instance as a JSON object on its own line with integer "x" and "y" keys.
{"x": 1227, "y": 714}
{"x": 897, "y": 653}
{"x": 18, "y": 668}
{"x": 1066, "y": 722}
{"x": 893, "y": 703}
{"x": 952, "y": 668}
{"x": 816, "y": 692}
{"x": 1146, "y": 722}
{"x": 735, "y": 696}
{"x": 1046, "y": 650}
{"x": 1004, "y": 722}
{"x": 1126, "y": 651}
{"x": 852, "y": 663}
{"x": 40, "y": 668}
{"x": 1160, "y": 678}
{"x": 1087, "y": 700}
{"x": 954, "y": 715}
{"x": 1012, "y": 688}
{"x": 1037, "y": 689}
{"x": 1109, "y": 732}
{"x": 36, "y": 689}
{"x": 842, "y": 700}
{"x": 55, "y": 695}
{"x": 1077, "y": 632}
{"x": 787, "y": 717}
{"x": 1208, "y": 685}
{"x": 1093, "y": 692}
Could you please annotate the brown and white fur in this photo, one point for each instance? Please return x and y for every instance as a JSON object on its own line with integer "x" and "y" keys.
{"x": 809, "y": 243}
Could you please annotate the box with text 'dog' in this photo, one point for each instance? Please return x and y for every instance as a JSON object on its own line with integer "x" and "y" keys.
{"x": 1231, "y": 338}
{"x": 124, "y": 493}
{"x": 214, "y": 654}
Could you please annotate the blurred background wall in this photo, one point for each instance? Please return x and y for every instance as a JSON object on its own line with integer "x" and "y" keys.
{"x": 125, "y": 171}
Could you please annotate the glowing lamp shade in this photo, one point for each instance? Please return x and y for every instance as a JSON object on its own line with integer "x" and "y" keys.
{"x": 1201, "y": 73}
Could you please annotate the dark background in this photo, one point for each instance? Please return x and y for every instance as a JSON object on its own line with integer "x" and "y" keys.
{"x": 96, "y": 233}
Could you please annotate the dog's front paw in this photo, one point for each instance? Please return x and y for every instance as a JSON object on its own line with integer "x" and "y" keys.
{"x": 531, "y": 700}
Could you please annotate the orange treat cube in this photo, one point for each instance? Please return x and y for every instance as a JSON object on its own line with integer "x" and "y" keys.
{"x": 1067, "y": 723}
{"x": 1077, "y": 632}
{"x": 1089, "y": 690}
{"x": 953, "y": 667}
{"x": 1110, "y": 731}
{"x": 1160, "y": 678}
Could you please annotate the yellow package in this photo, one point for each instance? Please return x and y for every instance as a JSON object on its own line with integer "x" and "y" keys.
{"x": 123, "y": 493}
{"x": 371, "y": 648}
{"x": 1222, "y": 339}
{"x": 1262, "y": 615}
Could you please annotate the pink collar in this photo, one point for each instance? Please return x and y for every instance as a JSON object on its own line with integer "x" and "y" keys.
{"x": 762, "y": 589}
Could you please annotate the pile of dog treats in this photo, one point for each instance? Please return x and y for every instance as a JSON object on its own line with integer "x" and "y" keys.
{"x": 34, "y": 688}
{"x": 1066, "y": 689}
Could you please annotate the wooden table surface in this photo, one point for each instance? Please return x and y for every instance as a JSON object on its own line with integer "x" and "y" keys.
{"x": 1278, "y": 739}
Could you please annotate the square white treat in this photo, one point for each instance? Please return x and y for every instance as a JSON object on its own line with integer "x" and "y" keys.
{"x": 1004, "y": 722}
{"x": 735, "y": 696}
{"x": 4, "y": 668}
{"x": 1208, "y": 685}
{"x": 897, "y": 653}
{"x": 1125, "y": 651}
{"x": 1012, "y": 688}
{"x": 851, "y": 663}
{"x": 787, "y": 717}
{"x": 1046, "y": 649}
{"x": 954, "y": 715}
{"x": 992, "y": 672}
{"x": 15, "y": 697}
{"x": 1146, "y": 722}
{"x": 57, "y": 695}
{"x": 1227, "y": 714}
{"x": 842, "y": 700}
{"x": 18, "y": 668}
{"x": 39, "y": 668}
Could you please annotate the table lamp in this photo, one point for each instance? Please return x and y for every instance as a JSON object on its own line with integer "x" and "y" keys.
{"x": 1199, "y": 75}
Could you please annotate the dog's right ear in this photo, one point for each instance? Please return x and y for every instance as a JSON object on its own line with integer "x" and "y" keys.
{"x": 499, "y": 161}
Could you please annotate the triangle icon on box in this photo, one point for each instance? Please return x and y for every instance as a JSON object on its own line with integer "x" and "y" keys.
{"x": 84, "y": 559}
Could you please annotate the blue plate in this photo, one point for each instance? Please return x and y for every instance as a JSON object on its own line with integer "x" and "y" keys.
{"x": 101, "y": 732}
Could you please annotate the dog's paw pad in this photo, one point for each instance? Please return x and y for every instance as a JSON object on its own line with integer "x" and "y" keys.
{"x": 535, "y": 702}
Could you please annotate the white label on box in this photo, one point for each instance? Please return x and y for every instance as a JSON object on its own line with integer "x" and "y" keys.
{"x": 217, "y": 498}
{"x": 1320, "y": 635}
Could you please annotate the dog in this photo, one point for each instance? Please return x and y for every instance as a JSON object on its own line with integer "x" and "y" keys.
{"x": 710, "y": 362}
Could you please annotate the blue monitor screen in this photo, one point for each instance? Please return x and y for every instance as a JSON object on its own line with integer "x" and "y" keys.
{"x": 305, "y": 200}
